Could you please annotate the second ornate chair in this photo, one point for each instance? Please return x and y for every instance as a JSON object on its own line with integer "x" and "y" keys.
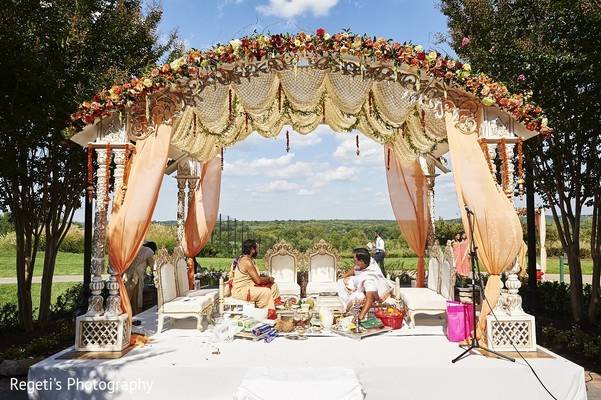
{"x": 282, "y": 262}
{"x": 322, "y": 260}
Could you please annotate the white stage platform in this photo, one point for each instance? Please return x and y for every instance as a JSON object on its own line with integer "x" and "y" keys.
{"x": 406, "y": 364}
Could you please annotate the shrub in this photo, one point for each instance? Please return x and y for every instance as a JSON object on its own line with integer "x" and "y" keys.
{"x": 66, "y": 303}
{"x": 9, "y": 317}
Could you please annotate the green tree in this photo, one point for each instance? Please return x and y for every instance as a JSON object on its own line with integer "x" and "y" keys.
{"x": 549, "y": 48}
{"x": 55, "y": 54}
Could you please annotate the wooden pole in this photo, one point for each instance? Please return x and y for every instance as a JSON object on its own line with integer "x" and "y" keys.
{"x": 530, "y": 229}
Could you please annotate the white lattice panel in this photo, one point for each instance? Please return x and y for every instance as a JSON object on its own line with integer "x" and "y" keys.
{"x": 510, "y": 330}
{"x": 102, "y": 333}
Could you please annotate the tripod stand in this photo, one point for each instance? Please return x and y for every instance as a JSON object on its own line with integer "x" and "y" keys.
{"x": 476, "y": 272}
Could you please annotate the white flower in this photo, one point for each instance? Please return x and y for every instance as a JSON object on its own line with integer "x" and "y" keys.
{"x": 236, "y": 43}
{"x": 419, "y": 48}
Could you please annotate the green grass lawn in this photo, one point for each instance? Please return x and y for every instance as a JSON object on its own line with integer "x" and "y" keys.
{"x": 8, "y": 293}
{"x": 72, "y": 264}
{"x": 66, "y": 264}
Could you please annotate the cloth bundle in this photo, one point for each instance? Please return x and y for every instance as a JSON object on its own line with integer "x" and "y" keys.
{"x": 266, "y": 331}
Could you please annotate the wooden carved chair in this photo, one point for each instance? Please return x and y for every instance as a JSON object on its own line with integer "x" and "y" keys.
{"x": 172, "y": 293}
{"x": 282, "y": 262}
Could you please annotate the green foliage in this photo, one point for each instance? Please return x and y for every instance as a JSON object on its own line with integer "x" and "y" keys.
{"x": 548, "y": 49}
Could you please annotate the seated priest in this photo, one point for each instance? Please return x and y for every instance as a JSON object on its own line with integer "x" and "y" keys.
{"x": 249, "y": 285}
{"x": 364, "y": 283}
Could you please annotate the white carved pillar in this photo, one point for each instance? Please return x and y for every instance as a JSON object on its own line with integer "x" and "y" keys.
{"x": 181, "y": 206}
{"x": 96, "y": 301}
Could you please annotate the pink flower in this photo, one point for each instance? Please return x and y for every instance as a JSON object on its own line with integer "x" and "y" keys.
{"x": 521, "y": 78}
{"x": 320, "y": 32}
{"x": 465, "y": 41}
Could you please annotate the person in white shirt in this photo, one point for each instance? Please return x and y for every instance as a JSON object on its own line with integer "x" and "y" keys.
{"x": 380, "y": 252}
{"x": 364, "y": 283}
{"x": 135, "y": 274}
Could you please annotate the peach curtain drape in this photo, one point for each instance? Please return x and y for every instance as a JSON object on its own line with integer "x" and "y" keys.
{"x": 202, "y": 212}
{"x": 497, "y": 229}
{"x": 130, "y": 219}
{"x": 409, "y": 199}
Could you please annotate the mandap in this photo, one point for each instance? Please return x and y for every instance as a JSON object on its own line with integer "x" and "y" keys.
{"x": 418, "y": 104}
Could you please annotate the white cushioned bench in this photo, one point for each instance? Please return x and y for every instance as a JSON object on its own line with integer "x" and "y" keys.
{"x": 432, "y": 300}
{"x": 174, "y": 298}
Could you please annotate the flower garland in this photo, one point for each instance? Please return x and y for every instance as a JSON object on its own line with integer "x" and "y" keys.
{"x": 484, "y": 147}
{"x": 293, "y": 47}
{"x": 90, "y": 174}
{"x": 505, "y": 168}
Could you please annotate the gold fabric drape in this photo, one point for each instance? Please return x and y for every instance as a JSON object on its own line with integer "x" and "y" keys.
{"x": 130, "y": 219}
{"x": 408, "y": 192}
{"x": 497, "y": 229}
{"x": 202, "y": 212}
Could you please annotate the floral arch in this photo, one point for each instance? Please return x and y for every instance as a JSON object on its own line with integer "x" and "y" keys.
{"x": 419, "y": 104}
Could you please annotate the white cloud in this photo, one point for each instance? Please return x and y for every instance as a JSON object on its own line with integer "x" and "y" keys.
{"x": 341, "y": 173}
{"x": 306, "y": 192}
{"x": 370, "y": 152}
{"x": 279, "y": 186}
{"x": 292, "y": 8}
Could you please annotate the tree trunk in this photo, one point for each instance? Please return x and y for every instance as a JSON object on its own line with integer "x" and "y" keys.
{"x": 47, "y": 277}
{"x": 594, "y": 305}
{"x": 24, "y": 266}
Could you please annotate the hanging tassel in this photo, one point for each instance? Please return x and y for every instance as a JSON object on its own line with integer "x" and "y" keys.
{"x": 194, "y": 125}
{"x": 357, "y": 143}
{"x": 287, "y": 141}
{"x": 246, "y": 121}
{"x": 280, "y": 97}
{"x": 370, "y": 101}
{"x": 323, "y": 111}
{"x": 423, "y": 120}
{"x": 388, "y": 160}
{"x": 222, "y": 158}
{"x": 229, "y": 100}
{"x": 90, "y": 175}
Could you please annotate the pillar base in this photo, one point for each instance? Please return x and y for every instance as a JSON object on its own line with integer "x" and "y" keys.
{"x": 103, "y": 333}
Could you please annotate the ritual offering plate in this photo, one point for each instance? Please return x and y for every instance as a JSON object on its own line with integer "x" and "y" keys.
{"x": 363, "y": 333}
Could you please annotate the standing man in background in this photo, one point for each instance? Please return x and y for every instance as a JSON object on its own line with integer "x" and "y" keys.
{"x": 380, "y": 252}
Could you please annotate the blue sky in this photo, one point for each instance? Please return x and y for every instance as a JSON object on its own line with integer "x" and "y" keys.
{"x": 321, "y": 177}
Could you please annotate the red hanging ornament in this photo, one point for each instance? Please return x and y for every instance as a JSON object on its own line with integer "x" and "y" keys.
{"x": 280, "y": 97}
{"x": 323, "y": 111}
{"x": 229, "y": 100}
{"x": 388, "y": 160}
{"x": 287, "y": 141}
{"x": 222, "y": 158}
{"x": 357, "y": 143}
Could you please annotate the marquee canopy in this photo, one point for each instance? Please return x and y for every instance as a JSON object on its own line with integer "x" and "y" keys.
{"x": 395, "y": 93}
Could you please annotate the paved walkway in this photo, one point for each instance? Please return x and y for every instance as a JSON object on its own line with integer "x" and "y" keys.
{"x": 566, "y": 278}
{"x": 57, "y": 278}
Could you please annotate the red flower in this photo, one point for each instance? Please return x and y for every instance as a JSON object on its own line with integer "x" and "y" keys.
{"x": 421, "y": 56}
{"x": 320, "y": 32}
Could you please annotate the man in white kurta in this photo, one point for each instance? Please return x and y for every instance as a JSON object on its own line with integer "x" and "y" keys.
{"x": 364, "y": 283}
{"x": 135, "y": 274}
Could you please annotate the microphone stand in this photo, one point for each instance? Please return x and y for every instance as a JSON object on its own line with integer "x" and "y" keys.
{"x": 475, "y": 345}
